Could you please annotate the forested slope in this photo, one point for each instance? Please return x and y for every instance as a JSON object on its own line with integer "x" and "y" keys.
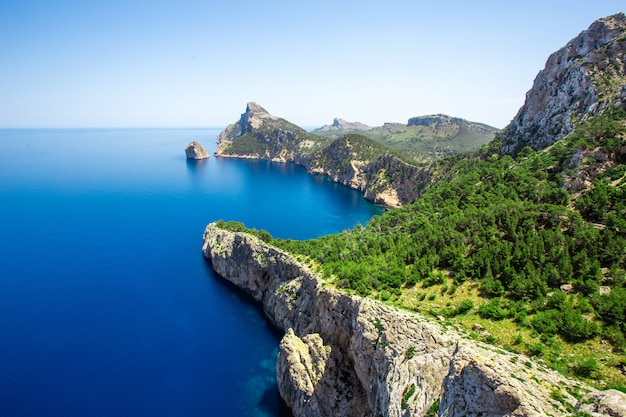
{"x": 537, "y": 242}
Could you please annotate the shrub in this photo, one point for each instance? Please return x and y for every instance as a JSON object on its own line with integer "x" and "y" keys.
{"x": 464, "y": 306}
{"x": 546, "y": 322}
{"x": 492, "y": 310}
{"x": 586, "y": 367}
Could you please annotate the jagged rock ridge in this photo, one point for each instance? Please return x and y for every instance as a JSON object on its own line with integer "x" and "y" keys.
{"x": 344, "y": 355}
{"x": 583, "y": 78}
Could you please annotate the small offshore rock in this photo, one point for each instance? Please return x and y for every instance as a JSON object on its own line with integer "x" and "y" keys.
{"x": 195, "y": 151}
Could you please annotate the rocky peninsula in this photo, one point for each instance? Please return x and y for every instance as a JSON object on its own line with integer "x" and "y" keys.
{"x": 344, "y": 355}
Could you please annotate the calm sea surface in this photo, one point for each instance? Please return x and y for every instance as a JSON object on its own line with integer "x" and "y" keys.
{"x": 107, "y": 307}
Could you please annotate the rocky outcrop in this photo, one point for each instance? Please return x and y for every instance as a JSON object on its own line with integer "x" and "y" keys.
{"x": 194, "y": 150}
{"x": 344, "y": 355}
{"x": 605, "y": 403}
{"x": 583, "y": 78}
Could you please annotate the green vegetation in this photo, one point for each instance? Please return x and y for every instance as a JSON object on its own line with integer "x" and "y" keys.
{"x": 432, "y": 410}
{"x": 410, "y": 353}
{"x": 239, "y": 227}
{"x": 406, "y": 395}
{"x": 494, "y": 241}
{"x": 245, "y": 145}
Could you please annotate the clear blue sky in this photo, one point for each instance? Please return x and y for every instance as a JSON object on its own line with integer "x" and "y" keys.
{"x": 123, "y": 63}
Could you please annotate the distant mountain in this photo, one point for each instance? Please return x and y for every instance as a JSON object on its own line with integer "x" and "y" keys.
{"x": 340, "y": 127}
{"x": 423, "y": 138}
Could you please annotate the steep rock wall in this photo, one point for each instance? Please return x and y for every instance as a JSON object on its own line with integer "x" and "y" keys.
{"x": 344, "y": 355}
{"x": 581, "y": 79}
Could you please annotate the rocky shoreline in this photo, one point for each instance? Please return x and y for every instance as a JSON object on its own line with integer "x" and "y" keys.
{"x": 344, "y": 355}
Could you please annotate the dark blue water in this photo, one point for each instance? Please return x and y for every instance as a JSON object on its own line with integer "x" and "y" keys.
{"x": 106, "y": 304}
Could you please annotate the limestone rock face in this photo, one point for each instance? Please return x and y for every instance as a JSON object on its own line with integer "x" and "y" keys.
{"x": 194, "y": 150}
{"x": 583, "y": 78}
{"x": 344, "y": 355}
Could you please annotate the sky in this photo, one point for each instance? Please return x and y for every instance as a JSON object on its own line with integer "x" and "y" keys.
{"x": 188, "y": 63}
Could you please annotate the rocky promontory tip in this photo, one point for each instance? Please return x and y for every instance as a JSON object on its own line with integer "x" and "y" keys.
{"x": 194, "y": 150}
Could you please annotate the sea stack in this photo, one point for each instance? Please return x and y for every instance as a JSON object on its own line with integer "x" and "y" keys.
{"x": 195, "y": 151}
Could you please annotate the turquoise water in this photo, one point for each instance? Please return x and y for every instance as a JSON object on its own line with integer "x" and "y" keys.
{"x": 106, "y": 304}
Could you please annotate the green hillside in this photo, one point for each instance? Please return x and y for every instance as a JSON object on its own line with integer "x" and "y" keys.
{"x": 427, "y": 137}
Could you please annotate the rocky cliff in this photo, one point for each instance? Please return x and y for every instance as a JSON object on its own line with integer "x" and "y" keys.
{"x": 343, "y": 355}
{"x": 360, "y": 163}
{"x": 583, "y": 78}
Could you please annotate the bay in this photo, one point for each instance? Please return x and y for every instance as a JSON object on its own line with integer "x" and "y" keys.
{"x": 106, "y": 304}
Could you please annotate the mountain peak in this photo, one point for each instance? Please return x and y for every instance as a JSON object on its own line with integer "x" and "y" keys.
{"x": 255, "y": 108}
{"x": 585, "y": 77}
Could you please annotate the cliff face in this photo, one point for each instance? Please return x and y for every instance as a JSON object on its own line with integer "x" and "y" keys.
{"x": 343, "y": 355}
{"x": 583, "y": 78}
{"x": 362, "y": 164}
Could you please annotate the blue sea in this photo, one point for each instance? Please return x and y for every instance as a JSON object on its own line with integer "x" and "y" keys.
{"x": 107, "y": 307}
